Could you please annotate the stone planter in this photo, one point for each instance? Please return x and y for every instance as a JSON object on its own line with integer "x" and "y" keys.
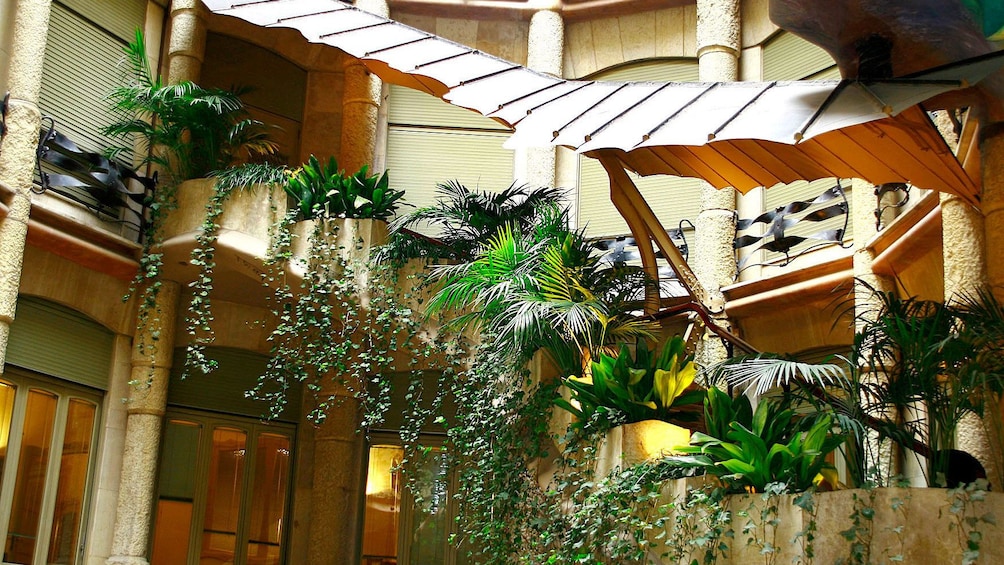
{"x": 914, "y": 525}
{"x": 908, "y": 525}
{"x": 247, "y": 212}
{"x": 650, "y": 439}
{"x": 355, "y": 237}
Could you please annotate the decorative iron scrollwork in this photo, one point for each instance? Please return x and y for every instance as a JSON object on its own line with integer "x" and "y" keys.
{"x": 783, "y": 218}
{"x": 881, "y": 191}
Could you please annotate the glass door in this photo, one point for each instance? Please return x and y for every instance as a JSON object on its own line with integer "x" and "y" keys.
{"x": 47, "y": 435}
{"x": 407, "y": 526}
{"x": 223, "y": 491}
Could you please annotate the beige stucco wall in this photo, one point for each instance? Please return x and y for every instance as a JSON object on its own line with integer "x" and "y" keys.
{"x": 591, "y": 46}
{"x": 505, "y": 39}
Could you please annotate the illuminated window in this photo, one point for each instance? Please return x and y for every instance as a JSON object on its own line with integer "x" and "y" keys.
{"x": 407, "y": 526}
{"x": 223, "y": 491}
{"x": 46, "y": 441}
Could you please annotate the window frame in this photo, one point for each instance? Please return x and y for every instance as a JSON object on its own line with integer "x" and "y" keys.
{"x": 406, "y": 513}
{"x": 208, "y": 422}
{"x": 24, "y": 381}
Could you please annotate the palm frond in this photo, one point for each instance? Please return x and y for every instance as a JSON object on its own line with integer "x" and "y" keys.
{"x": 763, "y": 373}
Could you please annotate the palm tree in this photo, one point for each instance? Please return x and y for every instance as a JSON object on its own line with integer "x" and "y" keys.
{"x": 545, "y": 288}
{"x": 917, "y": 367}
{"x": 465, "y": 219}
{"x": 187, "y": 130}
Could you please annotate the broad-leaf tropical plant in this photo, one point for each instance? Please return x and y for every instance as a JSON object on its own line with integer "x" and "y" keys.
{"x": 325, "y": 190}
{"x": 462, "y": 220}
{"x": 631, "y": 388}
{"x": 750, "y": 448}
{"x": 544, "y": 289}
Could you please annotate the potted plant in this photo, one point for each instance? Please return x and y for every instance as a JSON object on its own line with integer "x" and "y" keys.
{"x": 651, "y": 395}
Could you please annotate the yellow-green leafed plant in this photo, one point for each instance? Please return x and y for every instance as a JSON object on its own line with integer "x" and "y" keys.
{"x": 627, "y": 389}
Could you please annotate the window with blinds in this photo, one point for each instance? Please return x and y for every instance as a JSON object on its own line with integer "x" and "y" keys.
{"x": 789, "y": 57}
{"x": 83, "y": 63}
{"x": 430, "y": 142}
{"x": 672, "y": 198}
{"x": 54, "y": 340}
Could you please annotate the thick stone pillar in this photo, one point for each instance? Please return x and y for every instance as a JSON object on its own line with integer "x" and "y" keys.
{"x": 545, "y": 51}
{"x": 153, "y": 349}
{"x": 17, "y": 152}
{"x": 992, "y": 160}
{"x": 986, "y": 446}
{"x": 187, "y": 46}
{"x": 336, "y": 502}
{"x": 322, "y": 115}
{"x": 360, "y": 105}
{"x": 714, "y": 259}
{"x": 863, "y": 206}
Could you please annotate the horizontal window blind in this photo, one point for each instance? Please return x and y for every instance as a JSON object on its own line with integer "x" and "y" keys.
{"x": 120, "y": 18}
{"x": 83, "y": 63}
{"x": 655, "y": 70}
{"x": 671, "y": 198}
{"x": 431, "y": 142}
{"x": 54, "y": 340}
{"x": 411, "y": 107}
{"x": 789, "y": 57}
{"x": 223, "y": 389}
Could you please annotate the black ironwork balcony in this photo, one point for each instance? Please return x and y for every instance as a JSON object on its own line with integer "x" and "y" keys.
{"x": 113, "y": 191}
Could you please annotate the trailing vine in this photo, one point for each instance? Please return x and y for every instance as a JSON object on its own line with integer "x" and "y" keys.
{"x": 199, "y": 317}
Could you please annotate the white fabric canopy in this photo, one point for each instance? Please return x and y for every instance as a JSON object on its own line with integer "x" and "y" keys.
{"x": 741, "y": 134}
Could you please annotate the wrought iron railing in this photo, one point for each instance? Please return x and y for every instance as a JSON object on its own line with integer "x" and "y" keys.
{"x": 777, "y": 236}
{"x": 114, "y": 192}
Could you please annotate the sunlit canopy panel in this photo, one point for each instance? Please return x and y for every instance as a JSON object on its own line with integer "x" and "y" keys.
{"x": 730, "y": 134}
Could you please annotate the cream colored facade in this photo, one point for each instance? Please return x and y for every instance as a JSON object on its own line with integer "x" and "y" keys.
{"x": 55, "y": 252}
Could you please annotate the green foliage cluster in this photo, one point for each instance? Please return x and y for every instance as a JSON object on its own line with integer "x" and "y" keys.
{"x": 544, "y": 290}
{"x": 462, "y": 219}
{"x": 187, "y": 130}
{"x": 750, "y": 449}
{"x": 325, "y": 191}
{"x": 626, "y": 388}
{"x": 340, "y": 327}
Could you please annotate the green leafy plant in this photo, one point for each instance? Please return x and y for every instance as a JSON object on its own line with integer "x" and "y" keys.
{"x": 544, "y": 290}
{"x": 966, "y": 510}
{"x": 462, "y": 220}
{"x": 187, "y": 130}
{"x": 749, "y": 449}
{"x": 626, "y": 388}
{"x": 325, "y": 191}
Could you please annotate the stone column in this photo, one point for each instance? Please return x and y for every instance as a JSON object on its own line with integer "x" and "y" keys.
{"x": 360, "y": 104}
{"x": 863, "y": 206}
{"x": 714, "y": 257}
{"x": 545, "y": 51}
{"x": 322, "y": 115}
{"x": 187, "y": 47}
{"x": 992, "y": 256}
{"x": 336, "y": 502}
{"x": 992, "y": 161}
{"x": 17, "y": 152}
{"x": 153, "y": 349}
